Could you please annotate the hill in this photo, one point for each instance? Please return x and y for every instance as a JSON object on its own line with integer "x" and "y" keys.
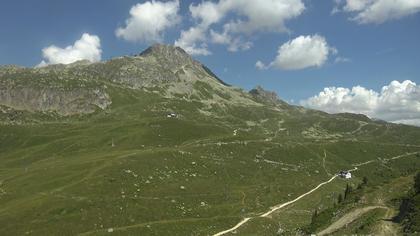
{"x": 157, "y": 144}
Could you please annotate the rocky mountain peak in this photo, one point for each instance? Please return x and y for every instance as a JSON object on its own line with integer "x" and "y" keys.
{"x": 177, "y": 61}
{"x": 260, "y": 92}
{"x": 262, "y": 95}
{"x": 168, "y": 52}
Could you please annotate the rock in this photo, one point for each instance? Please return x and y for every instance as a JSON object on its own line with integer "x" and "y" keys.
{"x": 267, "y": 97}
{"x": 64, "y": 102}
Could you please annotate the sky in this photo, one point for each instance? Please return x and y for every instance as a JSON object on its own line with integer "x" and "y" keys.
{"x": 358, "y": 56}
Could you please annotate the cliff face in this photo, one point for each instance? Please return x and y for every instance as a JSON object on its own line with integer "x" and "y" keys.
{"x": 50, "y": 89}
{"x": 75, "y": 101}
{"x": 267, "y": 97}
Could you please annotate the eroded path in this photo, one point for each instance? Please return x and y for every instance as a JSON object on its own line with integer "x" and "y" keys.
{"x": 273, "y": 209}
{"x": 386, "y": 226}
{"x": 347, "y": 219}
{"x": 353, "y": 215}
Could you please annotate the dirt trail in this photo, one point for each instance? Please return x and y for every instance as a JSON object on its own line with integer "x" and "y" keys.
{"x": 273, "y": 209}
{"x": 234, "y": 227}
{"x": 347, "y": 219}
{"x": 323, "y": 163}
{"x": 386, "y": 159}
{"x": 296, "y": 199}
{"x": 386, "y": 226}
{"x": 303, "y": 195}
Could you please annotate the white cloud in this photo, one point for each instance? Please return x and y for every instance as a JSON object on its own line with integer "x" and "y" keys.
{"x": 88, "y": 47}
{"x": 220, "y": 38}
{"x": 149, "y": 20}
{"x": 193, "y": 41}
{"x": 341, "y": 60}
{"x": 356, "y": 5}
{"x": 336, "y": 9}
{"x": 263, "y": 15}
{"x": 302, "y": 52}
{"x": 239, "y": 19}
{"x": 208, "y": 12}
{"x": 396, "y": 102}
{"x": 260, "y": 65}
{"x": 234, "y": 43}
{"x": 378, "y": 11}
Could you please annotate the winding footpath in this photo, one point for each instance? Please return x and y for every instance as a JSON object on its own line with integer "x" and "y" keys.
{"x": 347, "y": 219}
{"x": 273, "y": 209}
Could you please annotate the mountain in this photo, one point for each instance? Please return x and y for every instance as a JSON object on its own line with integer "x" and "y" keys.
{"x": 157, "y": 144}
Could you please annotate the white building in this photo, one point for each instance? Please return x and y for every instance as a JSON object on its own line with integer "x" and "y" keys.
{"x": 345, "y": 174}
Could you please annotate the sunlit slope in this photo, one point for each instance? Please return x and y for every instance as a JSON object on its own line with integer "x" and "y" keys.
{"x": 129, "y": 168}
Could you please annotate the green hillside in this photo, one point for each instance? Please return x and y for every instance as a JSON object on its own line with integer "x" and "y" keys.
{"x": 89, "y": 149}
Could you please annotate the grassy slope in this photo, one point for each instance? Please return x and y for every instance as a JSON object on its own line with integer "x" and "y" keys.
{"x": 185, "y": 176}
{"x": 379, "y": 221}
{"x": 379, "y": 196}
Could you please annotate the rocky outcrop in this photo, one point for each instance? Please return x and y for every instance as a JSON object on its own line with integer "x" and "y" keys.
{"x": 267, "y": 97}
{"x": 70, "y": 102}
{"x": 168, "y": 56}
{"x": 155, "y": 66}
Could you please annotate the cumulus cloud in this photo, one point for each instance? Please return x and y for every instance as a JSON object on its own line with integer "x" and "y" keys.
{"x": 238, "y": 19}
{"x": 193, "y": 41}
{"x": 208, "y": 12}
{"x": 300, "y": 53}
{"x": 336, "y": 9}
{"x": 234, "y": 43}
{"x": 263, "y": 15}
{"x": 396, "y": 102}
{"x": 148, "y": 21}
{"x": 260, "y": 65}
{"x": 88, "y": 47}
{"x": 377, "y": 11}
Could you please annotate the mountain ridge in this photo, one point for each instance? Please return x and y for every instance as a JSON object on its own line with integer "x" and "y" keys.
{"x": 156, "y": 145}
{"x": 157, "y": 66}
{"x": 80, "y": 87}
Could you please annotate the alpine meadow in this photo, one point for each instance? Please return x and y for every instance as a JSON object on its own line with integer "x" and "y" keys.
{"x": 167, "y": 142}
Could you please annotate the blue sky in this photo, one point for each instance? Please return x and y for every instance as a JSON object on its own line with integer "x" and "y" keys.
{"x": 379, "y": 50}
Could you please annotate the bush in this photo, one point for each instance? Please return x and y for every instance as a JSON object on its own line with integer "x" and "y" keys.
{"x": 409, "y": 213}
{"x": 320, "y": 220}
{"x": 365, "y": 180}
{"x": 340, "y": 198}
{"x": 347, "y": 192}
{"x": 417, "y": 183}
